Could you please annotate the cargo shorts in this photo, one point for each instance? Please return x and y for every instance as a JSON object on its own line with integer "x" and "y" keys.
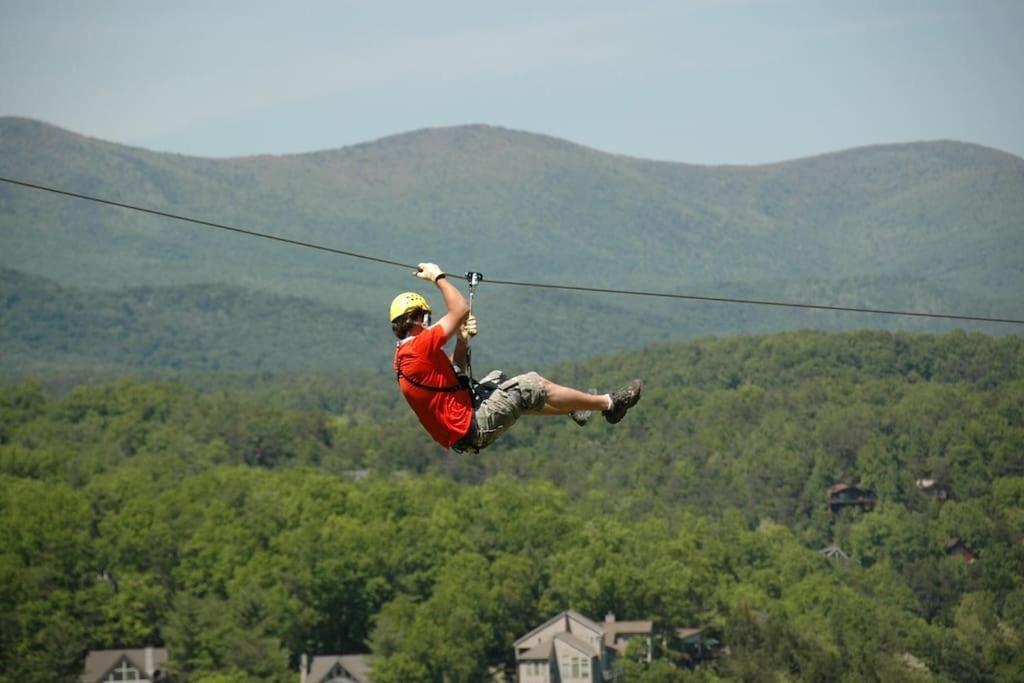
{"x": 498, "y": 401}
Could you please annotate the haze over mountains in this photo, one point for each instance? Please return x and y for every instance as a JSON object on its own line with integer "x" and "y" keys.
{"x": 931, "y": 226}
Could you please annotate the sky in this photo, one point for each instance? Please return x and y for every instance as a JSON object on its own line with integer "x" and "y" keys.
{"x": 696, "y": 81}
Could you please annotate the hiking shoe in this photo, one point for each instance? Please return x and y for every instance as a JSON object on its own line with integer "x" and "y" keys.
{"x": 622, "y": 400}
{"x": 582, "y": 417}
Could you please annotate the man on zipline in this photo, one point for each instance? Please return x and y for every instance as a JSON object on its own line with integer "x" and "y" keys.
{"x": 456, "y": 416}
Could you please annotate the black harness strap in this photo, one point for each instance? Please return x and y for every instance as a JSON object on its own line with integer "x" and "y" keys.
{"x": 463, "y": 383}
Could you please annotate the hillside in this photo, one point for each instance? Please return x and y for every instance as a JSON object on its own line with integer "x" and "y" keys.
{"x": 935, "y": 225}
{"x": 67, "y": 335}
{"x": 228, "y": 520}
{"x": 46, "y": 328}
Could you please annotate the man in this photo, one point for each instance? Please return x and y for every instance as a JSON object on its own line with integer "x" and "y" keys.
{"x": 455, "y": 416}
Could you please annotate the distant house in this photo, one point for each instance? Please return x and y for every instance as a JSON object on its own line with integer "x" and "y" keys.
{"x": 570, "y": 648}
{"x": 694, "y": 645}
{"x": 335, "y": 669}
{"x": 567, "y": 647}
{"x": 932, "y": 489}
{"x": 619, "y": 634}
{"x": 843, "y": 495}
{"x": 955, "y": 546}
{"x": 145, "y": 665}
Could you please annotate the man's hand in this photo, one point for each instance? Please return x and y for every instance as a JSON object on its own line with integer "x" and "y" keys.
{"x": 428, "y": 271}
{"x": 468, "y": 329}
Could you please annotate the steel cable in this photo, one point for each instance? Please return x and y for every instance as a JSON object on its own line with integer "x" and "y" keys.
{"x": 541, "y": 285}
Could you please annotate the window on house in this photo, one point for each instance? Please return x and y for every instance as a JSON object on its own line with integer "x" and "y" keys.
{"x": 585, "y": 668}
{"x": 124, "y": 672}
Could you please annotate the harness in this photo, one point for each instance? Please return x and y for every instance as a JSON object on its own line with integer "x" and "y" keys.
{"x": 462, "y": 382}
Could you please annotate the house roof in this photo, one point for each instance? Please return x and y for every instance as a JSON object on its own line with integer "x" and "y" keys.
{"x": 321, "y": 666}
{"x": 98, "y": 663}
{"x": 562, "y": 615}
{"x": 542, "y": 651}
{"x": 684, "y": 633}
{"x": 612, "y": 629}
{"x": 577, "y": 644}
{"x": 357, "y": 667}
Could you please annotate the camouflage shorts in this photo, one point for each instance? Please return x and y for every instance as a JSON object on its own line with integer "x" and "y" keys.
{"x": 498, "y": 401}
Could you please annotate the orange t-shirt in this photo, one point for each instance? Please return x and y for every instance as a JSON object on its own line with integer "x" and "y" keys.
{"x": 446, "y": 415}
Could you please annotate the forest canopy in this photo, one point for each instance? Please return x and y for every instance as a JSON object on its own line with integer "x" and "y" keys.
{"x": 244, "y": 522}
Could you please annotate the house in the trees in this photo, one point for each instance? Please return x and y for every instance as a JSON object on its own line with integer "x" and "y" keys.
{"x": 956, "y": 546}
{"x": 570, "y": 648}
{"x": 335, "y": 669}
{"x": 933, "y": 489}
{"x": 618, "y": 635}
{"x": 567, "y": 647}
{"x": 843, "y": 495}
{"x": 144, "y": 665}
{"x": 694, "y": 645}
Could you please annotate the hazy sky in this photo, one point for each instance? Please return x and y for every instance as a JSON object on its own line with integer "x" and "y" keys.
{"x": 701, "y": 81}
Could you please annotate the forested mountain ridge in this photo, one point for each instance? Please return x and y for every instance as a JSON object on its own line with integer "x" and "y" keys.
{"x": 62, "y": 333}
{"x": 930, "y": 226}
{"x": 223, "y": 517}
{"x": 58, "y": 330}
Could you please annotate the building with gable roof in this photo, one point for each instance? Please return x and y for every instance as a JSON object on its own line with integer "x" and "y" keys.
{"x": 569, "y": 647}
{"x": 144, "y": 665}
{"x": 619, "y": 634}
{"x": 335, "y": 669}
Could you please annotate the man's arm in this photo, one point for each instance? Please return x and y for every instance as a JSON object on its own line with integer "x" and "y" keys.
{"x": 460, "y": 357}
{"x": 458, "y": 307}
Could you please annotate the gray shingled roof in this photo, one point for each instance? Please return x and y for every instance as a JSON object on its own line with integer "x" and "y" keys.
{"x": 98, "y": 663}
{"x": 542, "y": 651}
{"x": 321, "y": 666}
{"x": 582, "y": 646}
{"x": 619, "y": 628}
{"x": 685, "y": 633}
{"x": 357, "y": 666}
{"x": 562, "y": 615}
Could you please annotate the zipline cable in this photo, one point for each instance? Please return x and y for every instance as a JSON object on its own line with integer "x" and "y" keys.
{"x": 759, "y": 302}
{"x": 540, "y": 285}
{"x": 187, "y": 219}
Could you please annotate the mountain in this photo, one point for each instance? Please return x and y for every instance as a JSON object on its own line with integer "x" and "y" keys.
{"x": 44, "y": 326}
{"x": 931, "y": 226}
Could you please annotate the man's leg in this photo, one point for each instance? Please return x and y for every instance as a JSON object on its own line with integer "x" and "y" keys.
{"x": 563, "y": 400}
{"x": 533, "y": 394}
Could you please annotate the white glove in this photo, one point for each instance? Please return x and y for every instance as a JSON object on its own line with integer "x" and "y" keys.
{"x": 468, "y": 328}
{"x": 428, "y": 271}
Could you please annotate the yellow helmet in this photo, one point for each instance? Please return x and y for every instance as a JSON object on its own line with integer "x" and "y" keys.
{"x": 408, "y": 301}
